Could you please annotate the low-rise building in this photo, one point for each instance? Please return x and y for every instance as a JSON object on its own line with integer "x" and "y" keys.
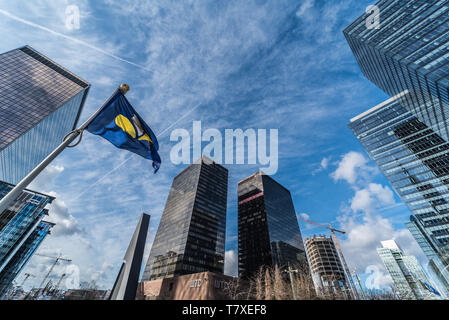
{"x": 198, "y": 286}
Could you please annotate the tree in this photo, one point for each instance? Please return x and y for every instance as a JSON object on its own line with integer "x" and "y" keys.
{"x": 258, "y": 283}
{"x": 274, "y": 283}
{"x": 303, "y": 283}
{"x": 268, "y": 284}
{"x": 234, "y": 289}
{"x": 280, "y": 287}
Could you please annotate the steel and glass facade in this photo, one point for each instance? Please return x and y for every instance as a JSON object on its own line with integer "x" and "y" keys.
{"x": 40, "y": 102}
{"x": 191, "y": 235}
{"x": 268, "y": 229}
{"x": 19, "y": 225}
{"x": 415, "y": 160}
{"x": 438, "y": 256}
{"x": 407, "y": 274}
{"x": 23, "y": 255}
{"x": 409, "y": 51}
{"x": 407, "y": 57}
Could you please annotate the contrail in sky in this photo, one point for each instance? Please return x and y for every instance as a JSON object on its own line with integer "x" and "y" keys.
{"x": 32, "y": 24}
{"x": 83, "y": 43}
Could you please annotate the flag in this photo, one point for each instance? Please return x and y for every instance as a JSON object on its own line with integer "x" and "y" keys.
{"x": 121, "y": 125}
{"x": 429, "y": 288}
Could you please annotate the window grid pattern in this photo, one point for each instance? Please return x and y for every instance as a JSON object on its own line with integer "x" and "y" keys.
{"x": 22, "y": 256}
{"x": 407, "y": 274}
{"x": 327, "y": 271}
{"x": 19, "y": 225}
{"x": 408, "y": 52}
{"x": 40, "y": 102}
{"x": 268, "y": 230}
{"x": 191, "y": 235}
{"x": 415, "y": 160}
{"x": 19, "y": 218}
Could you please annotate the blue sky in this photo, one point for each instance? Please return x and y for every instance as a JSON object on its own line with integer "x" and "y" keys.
{"x": 237, "y": 64}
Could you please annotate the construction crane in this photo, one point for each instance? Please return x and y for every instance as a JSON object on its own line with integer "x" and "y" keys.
{"x": 27, "y": 275}
{"x": 57, "y": 259}
{"x": 13, "y": 290}
{"x": 340, "y": 252}
{"x": 55, "y": 290}
{"x": 360, "y": 284}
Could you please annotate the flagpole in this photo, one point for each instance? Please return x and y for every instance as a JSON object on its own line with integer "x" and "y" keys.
{"x": 17, "y": 190}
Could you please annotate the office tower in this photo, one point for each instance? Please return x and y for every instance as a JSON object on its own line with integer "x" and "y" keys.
{"x": 21, "y": 231}
{"x": 40, "y": 102}
{"x": 328, "y": 273}
{"x": 407, "y": 274}
{"x": 408, "y": 52}
{"x": 415, "y": 160}
{"x": 438, "y": 256}
{"x": 268, "y": 229}
{"x": 191, "y": 234}
{"x": 22, "y": 255}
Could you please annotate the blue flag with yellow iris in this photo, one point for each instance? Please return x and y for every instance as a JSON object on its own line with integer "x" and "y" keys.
{"x": 429, "y": 288}
{"x": 120, "y": 124}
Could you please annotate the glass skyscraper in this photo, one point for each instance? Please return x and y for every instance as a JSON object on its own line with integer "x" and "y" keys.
{"x": 407, "y": 274}
{"x": 268, "y": 229}
{"x": 415, "y": 160}
{"x": 40, "y": 102}
{"x": 21, "y": 231}
{"x": 23, "y": 255}
{"x": 407, "y": 57}
{"x": 191, "y": 235}
{"x": 409, "y": 51}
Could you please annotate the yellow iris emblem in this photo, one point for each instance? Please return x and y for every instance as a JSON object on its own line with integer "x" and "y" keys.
{"x": 127, "y": 126}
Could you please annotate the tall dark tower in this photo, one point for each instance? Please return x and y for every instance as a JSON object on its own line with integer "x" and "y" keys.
{"x": 191, "y": 234}
{"x": 268, "y": 228}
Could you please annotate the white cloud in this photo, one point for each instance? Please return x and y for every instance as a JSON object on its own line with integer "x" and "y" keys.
{"x": 325, "y": 163}
{"x": 304, "y": 216}
{"x": 371, "y": 197}
{"x": 307, "y": 4}
{"x": 66, "y": 224}
{"x": 231, "y": 263}
{"x": 364, "y": 237}
{"x": 377, "y": 278}
{"x": 352, "y": 167}
{"x": 44, "y": 182}
{"x": 364, "y": 227}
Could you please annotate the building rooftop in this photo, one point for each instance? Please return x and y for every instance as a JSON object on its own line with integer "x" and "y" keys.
{"x": 390, "y": 244}
{"x": 403, "y": 93}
